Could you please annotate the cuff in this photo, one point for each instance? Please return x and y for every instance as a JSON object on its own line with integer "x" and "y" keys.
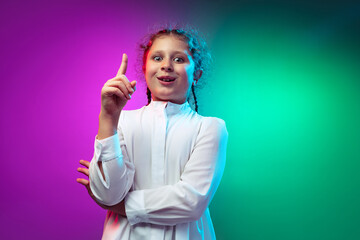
{"x": 108, "y": 148}
{"x": 135, "y": 207}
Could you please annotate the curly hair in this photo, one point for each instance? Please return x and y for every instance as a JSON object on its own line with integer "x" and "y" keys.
{"x": 197, "y": 47}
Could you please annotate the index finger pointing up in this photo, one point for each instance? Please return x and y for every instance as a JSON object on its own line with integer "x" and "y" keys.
{"x": 123, "y": 66}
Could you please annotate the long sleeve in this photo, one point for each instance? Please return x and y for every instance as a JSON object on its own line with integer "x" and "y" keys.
{"x": 186, "y": 200}
{"x": 111, "y": 153}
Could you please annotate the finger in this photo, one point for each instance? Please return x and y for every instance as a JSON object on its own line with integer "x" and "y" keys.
{"x": 121, "y": 86}
{"x": 133, "y": 85}
{"x": 85, "y": 163}
{"x": 83, "y": 181}
{"x": 123, "y": 66}
{"x": 84, "y": 171}
{"x": 124, "y": 80}
{"x": 115, "y": 91}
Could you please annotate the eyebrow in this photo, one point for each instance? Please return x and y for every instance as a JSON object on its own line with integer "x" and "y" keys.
{"x": 175, "y": 52}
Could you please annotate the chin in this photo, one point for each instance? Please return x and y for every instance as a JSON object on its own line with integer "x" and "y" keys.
{"x": 170, "y": 99}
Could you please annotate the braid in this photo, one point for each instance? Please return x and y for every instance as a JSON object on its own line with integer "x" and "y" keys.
{"x": 195, "y": 101}
{"x": 148, "y": 94}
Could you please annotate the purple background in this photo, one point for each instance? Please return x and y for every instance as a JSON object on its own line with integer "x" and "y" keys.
{"x": 55, "y": 57}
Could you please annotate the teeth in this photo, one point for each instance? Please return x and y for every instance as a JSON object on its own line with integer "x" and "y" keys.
{"x": 167, "y": 80}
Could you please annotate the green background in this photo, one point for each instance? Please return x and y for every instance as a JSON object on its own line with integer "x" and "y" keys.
{"x": 286, "y": 81}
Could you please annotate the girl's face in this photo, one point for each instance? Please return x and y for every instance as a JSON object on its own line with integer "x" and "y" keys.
{"x": 169, "y": 70}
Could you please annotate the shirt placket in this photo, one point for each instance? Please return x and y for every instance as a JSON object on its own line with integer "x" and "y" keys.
{"x": 158, "y": 152}
{"x": 158, "y": 161}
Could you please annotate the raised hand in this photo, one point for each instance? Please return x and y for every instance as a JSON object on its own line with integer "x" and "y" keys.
{"x": 114, "y": 96}
{"x": 117, "y": 91}
{"x": 118, "y": 208}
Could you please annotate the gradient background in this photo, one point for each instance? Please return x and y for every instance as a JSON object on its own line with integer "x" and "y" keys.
{"x": 285, "y": 79}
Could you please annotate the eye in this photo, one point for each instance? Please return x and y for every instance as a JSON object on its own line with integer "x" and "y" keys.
{"x": 157, "y": 58}
{"x": 179, "y": 60}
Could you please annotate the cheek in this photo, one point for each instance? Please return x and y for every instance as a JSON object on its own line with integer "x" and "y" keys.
{"x": 189, "y": 71}
{"x": 150, "y": 69}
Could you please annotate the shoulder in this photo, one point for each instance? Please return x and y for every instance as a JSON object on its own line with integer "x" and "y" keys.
{"x": 212, "y": 122}
{"x": 213, "y": 125}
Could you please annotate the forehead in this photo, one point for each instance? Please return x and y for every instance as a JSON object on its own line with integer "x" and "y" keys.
{"x": 169, "y": 43}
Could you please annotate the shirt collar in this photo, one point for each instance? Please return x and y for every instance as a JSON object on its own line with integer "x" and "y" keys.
{"x": 170, "y": 108}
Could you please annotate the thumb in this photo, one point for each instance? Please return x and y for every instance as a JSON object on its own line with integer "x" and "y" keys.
{"x": 133, "y": 84}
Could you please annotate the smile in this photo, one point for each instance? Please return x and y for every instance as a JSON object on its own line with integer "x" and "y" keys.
{"x": 166, "y": 78}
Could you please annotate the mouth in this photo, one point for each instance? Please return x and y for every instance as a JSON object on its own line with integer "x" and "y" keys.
{"x": 166, "y": 78}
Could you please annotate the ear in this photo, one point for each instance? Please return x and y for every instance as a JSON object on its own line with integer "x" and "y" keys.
{"x": 197, "y": 76}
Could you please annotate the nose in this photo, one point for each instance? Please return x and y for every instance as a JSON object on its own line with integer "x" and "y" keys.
{"x": 167, "y": 66}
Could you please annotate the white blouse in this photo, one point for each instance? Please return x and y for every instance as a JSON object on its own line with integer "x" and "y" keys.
{"x": 167, "y": 162}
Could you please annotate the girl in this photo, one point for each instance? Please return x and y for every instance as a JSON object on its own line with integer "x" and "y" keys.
{"x": 157, "y": 168}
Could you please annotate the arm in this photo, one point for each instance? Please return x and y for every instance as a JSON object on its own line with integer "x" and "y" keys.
{"x": 111, "y": 173}
{"x": 186, "y": 200}
{"x": 112, "y": 181}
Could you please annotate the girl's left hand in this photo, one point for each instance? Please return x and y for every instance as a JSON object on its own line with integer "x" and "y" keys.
{"x": 118, "y": 208}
